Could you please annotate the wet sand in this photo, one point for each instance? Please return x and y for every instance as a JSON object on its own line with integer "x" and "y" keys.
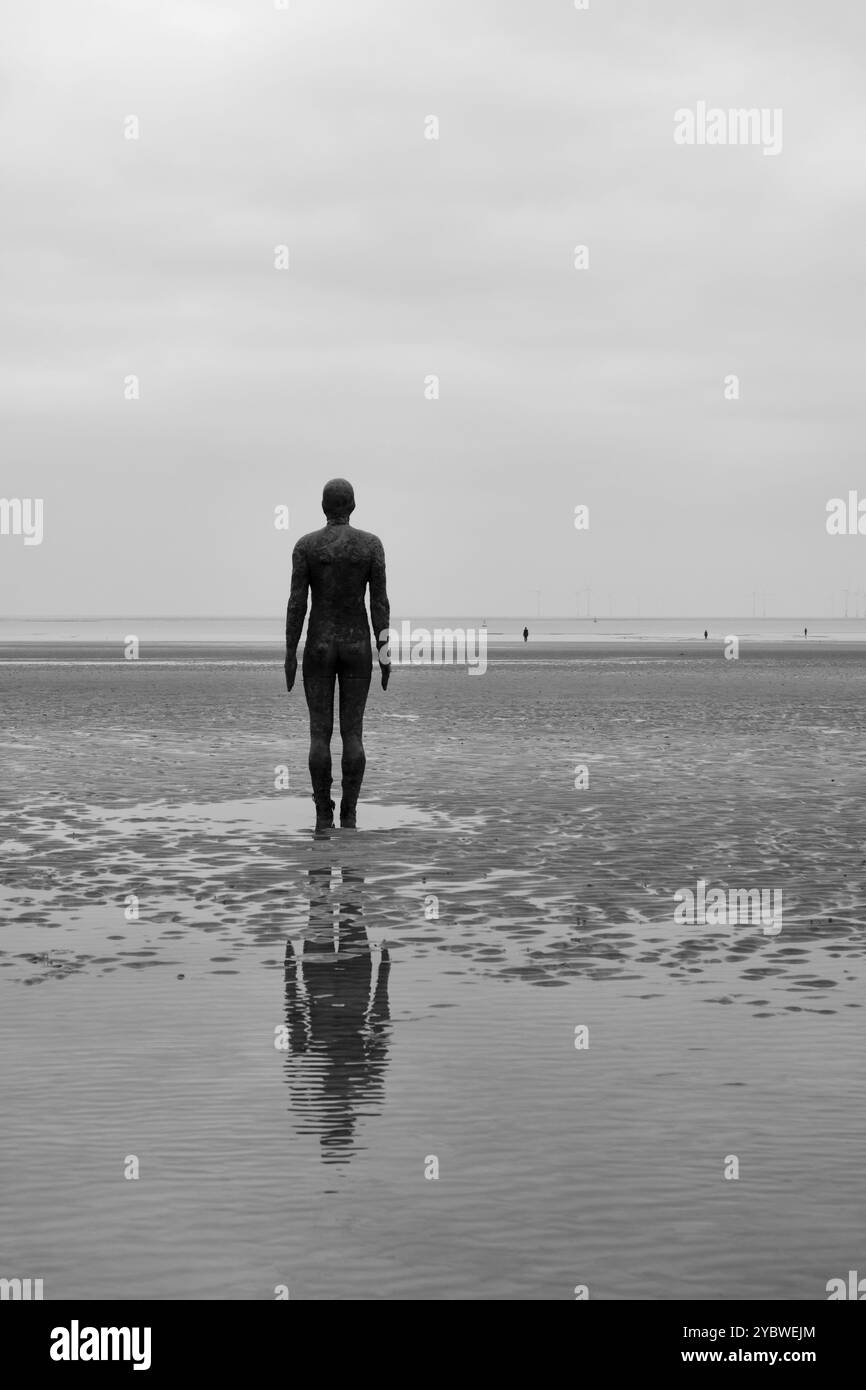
{"x": 428, "y": 974}
{"x": 499, "y": 650}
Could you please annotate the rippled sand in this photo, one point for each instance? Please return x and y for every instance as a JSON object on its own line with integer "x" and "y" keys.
{"x": 291, "y": 1026}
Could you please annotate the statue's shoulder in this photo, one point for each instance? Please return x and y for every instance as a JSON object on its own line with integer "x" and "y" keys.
{"x": 370, "y": 542}
{"x": 304, "y": 544}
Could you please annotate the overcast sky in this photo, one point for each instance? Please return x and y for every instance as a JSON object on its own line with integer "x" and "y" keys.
{"x": 411, "y": 257}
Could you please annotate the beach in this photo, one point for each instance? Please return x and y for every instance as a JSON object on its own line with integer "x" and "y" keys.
{"x": 287, "y": 1029}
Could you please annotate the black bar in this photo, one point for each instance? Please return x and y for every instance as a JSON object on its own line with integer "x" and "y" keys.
{"x": 282, "y": 1338}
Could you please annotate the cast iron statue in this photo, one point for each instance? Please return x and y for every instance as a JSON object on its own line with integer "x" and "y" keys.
{"x": 336, "y": 564}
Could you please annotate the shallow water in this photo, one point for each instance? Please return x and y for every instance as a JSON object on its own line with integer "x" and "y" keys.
{"x": 291, "y": 1028}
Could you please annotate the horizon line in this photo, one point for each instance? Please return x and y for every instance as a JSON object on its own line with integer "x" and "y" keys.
{"x": 497, "y": 617}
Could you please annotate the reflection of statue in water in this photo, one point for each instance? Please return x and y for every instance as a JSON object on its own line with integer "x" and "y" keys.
{"x": 336, "y": 564}
{"x": 337, "y": 1014}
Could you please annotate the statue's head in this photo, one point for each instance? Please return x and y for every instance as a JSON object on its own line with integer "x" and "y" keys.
{"x": 338, "y": 500}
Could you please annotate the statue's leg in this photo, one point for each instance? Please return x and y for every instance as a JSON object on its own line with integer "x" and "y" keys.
{"x": 355, "y": 669}
{"x": 320, "y": 670}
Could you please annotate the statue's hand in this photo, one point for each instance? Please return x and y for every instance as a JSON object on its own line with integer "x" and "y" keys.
{"x": 291, "y": 670}
{"x": 384, "y": 653}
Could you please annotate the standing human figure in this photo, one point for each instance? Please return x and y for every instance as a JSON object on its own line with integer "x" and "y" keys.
{"x": 336, "y": 564}
{"x": 526, "y": 634}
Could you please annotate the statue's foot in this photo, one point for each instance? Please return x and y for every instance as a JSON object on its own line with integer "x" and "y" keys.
{"x": 324, "y": 815}
{"x": 347, "y": 817}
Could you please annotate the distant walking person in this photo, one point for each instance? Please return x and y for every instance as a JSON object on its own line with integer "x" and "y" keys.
{"x": 526, "y": 634}
{"x": 336, "y": 564}
{"x": 706, "y": 634}
{"x": 805, "y": 632}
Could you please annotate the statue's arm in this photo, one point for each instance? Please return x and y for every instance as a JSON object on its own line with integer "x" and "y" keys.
{"x": 296, "y": 610}
{"x": 297, "y": 605}
{"x": 380, "y": 609}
